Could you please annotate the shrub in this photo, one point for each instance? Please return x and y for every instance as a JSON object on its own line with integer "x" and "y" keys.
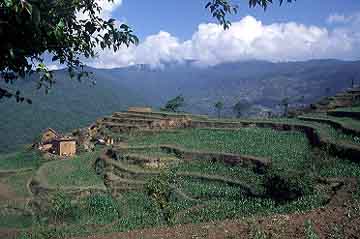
{"x": 61, "y": 207}
{"x": 310, "y": 231}
{"x": 159, "y": 190}
{"x": 103, "y": 206}
{"x": 43, "y": 232}
{"x": 284, "y": 185}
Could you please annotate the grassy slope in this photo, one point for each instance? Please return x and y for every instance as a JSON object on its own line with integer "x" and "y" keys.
{"x": 347, "y": 122}
{"x": 20, "y": 159}
{"x": 18, "y": 183}
{"x": 349, "y": 109}
{"x": 75, "y": 172}
{"x": 287, "y": 149}
{"x": 283, "y": 147}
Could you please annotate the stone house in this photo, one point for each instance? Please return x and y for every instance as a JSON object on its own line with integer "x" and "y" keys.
{"x": 55, "y": 143}
{"x": 64, "y": 146}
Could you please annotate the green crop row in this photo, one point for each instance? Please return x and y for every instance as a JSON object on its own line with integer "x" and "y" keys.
{"x": 284, "y": 148}
{"x": 220, "y": 169}
{"x": 349, "y": 109}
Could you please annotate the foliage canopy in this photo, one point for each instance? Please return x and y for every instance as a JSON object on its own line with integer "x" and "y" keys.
{"x": 174, "y": 104}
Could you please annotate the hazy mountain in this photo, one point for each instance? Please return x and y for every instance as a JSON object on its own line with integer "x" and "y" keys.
{"x": 69, "y": 105}
{"x": 258, "y": 82}
{"x": 72, "y": 104}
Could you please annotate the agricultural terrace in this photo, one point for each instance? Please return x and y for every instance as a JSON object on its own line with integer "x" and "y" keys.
{"x": 284, "y": 148}
{"x": 75, "y": 172}
{"x": 349, "y": 109}
{"x": 20, "y": 160}
{"x": 179, "y": 191}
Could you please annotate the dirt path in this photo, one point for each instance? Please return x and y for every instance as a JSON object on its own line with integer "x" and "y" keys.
{"x": 6, "y": 193}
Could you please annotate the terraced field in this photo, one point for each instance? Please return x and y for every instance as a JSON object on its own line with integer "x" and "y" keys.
{"x": 204, "y": 172}
{"x": 289, "y": 148}
{"x": 75, "y": 172}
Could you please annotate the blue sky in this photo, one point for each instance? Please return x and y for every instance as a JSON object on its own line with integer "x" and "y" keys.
{"x": 181, "y": 17}
{"x": 176, "y": 31}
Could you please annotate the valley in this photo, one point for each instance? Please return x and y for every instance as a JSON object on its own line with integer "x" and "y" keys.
{"x": 165, "y": 173}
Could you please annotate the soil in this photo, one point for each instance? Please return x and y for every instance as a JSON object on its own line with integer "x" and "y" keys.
{"x": 6, "y": 193}
{"x": 330, "y": 222}
{"x": 339, "y": 219}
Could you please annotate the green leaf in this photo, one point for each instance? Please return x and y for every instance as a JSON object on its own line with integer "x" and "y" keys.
{"x": 36, "y": 15}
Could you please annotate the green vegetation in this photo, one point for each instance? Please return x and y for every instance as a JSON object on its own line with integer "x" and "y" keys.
{"x": 240, "y": 107}
{"x": 284, "y": 148}
{"x": 20, "y": 160}
{"x": 309, "y": 230}
{"x": 349, "y": 109}
{"x": 75, "y": 172}
{"x": 220, "y": 169}
{"x": 344, "y": 121}
{"x": 18, "y": 183}
{"x": 61, "y": 207}
{"x": 325, "y": 130}
{"x": 219, "y": 107}
{"x": 53, "y": 28}
{"x": 15, "y": 221}
{"x": 198, "y": 190}
{"x": 287, "y": 185}
{"x": 102, "y": 207}
{"x": 175, "y": 104}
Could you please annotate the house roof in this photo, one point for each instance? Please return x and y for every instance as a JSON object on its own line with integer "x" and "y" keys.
{"x": 52, "y": 130}
{"x": 63, "y": 139}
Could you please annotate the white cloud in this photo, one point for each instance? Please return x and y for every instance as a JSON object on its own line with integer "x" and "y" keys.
{"x": 337, "y": 18}
{"x": 246, "y": 39}
{"x": 106, "y": 9}
{"x": 343, "y": 19}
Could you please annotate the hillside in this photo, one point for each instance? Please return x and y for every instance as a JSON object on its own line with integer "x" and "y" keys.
{"x": 68, "y": 106}
{"x": 264, "y": 84}
{"x": 169, "y": 175}
{"x": 258, "y": 82}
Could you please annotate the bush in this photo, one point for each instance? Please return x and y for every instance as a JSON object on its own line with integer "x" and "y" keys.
{"x": 103, "y": 206}
{"x": 284, "y": 185}
{"x": 61, "y": 207}
{"x": 43, "y": 232}
{"x": 160, "y": 191}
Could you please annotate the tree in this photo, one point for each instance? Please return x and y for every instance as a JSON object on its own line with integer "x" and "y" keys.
{"x": 352, "y": 82}
{"x": 285, "y": 102}
{"x": 239, "y": 107}
{"x": 31, "y": 29}
{"x": 174, "y": 104}
{"x": 219, "y": 107}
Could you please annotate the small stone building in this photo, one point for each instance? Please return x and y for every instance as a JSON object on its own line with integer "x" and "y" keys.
{"x": 64, "y": 146}
{"x": 55, "y": 143}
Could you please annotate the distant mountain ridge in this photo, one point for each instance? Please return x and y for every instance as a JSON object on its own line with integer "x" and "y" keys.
{"x": 258, "y": 82}
{"x": 264, "y": 84}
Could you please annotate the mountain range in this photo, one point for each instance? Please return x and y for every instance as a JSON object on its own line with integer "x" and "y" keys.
{"x": 72, "y": 104}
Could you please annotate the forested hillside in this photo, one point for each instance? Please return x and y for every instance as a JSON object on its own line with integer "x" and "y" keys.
{"x": 69, "y": 105}
{"x": 72, "y": 104}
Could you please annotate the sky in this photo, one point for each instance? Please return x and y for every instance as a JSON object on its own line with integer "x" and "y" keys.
{"x": 179, "y": 30}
